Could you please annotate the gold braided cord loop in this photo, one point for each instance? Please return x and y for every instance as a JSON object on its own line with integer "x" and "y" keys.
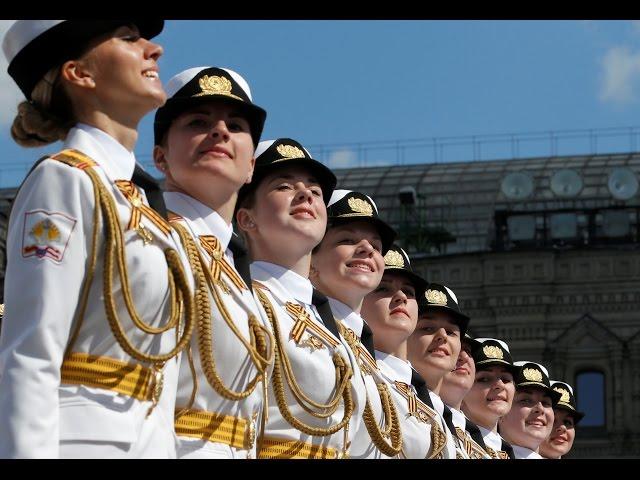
{"x": 260, "y": 337}
{"x": 276, "y": 448}
{"x": 114, "y": 253}
{"x": 343, "y": 374}
{"x": 214, "y": 427}
{"x": 497, "y": 454}
{"x": 474, "y": 450}
{"x": 392, "y": 429}
{"x": 438, "y": 440}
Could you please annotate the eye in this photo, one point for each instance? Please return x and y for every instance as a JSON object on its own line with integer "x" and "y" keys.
{"x": 382, "y": 289}
{"x": 506, "y": 379}
{"x": 317, "y": 191}
{"x": 409, "y": 292}
{"x": 283, "y": 187}
{"x": 452, "y": 333}
{"x": 238, "y": 125}
{"x": 546, "y": 403}
{"x": 568, "y": 422}
{"x": 197, "y": 122}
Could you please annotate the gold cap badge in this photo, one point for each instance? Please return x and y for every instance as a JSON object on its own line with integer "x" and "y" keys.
{"x": 289, "y": 151}
{"x": 215, "y": 86}
{"x": 491, "y": 351}
{"x": 436, "y": 297}
{"x": 565, "y": 398}
{"x": 393, "y": 259}
{"x": 532, "y": 374}
{"x": 360, "y": 206}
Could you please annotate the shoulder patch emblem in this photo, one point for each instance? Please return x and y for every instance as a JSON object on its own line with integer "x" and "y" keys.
{"x": 46, "y": 234}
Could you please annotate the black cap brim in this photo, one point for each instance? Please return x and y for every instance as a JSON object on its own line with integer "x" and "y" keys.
{"x": 459, "y": 318}
{"x": 418, "y": 282}
{"x": 173, "y": 108}
{"x": 323, "y": 174}
{"x": 496, "y": 362}
{"x": 65, "y": 41}
{"x": 387, "y": 234}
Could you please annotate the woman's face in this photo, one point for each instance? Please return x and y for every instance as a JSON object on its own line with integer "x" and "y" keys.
{"x": 463, "y": 375}
{"x": 207, "y": 147}
{"x": 288, "y": 213}
{"x": 530, "y": 420}
{"x": 560, "y": 441}
{"x": 434, "y": 346}
{"x": 348, "y": 263}
{"x": 490, "y": 396}
{"x": 123, "y": 70}
{"x": 391, "y": 310}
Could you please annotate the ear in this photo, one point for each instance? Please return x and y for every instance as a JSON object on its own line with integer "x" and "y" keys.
{"x": 313, "y": 272}
{"x": 245, "y": 220}
{"x": 77, "y": 73}
{"x": 253, "y": 166}
{"x": 160, "y": 159}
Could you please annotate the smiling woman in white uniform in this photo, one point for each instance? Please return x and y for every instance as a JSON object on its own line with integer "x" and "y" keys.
{"x": 565, "y": 418}
{"x": 95, "y": 287}
{"x": 530, "y": 420}
{"x": 346, "y": 266}
{"x": 283, "y": 215}
{"x": 492, "y": 392}
{"x": 205, "y": 138}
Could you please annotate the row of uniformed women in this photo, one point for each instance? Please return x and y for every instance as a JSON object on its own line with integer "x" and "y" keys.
{"x": 190, "y": 350}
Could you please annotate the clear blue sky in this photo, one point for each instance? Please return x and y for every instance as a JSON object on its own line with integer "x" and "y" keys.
{"x": 327, "y": 82}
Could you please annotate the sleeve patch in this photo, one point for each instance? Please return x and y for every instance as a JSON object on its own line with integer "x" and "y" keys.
{"x": 46, "y": 234}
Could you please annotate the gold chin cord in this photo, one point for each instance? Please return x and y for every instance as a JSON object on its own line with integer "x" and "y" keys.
{"x": 114, "y": 253}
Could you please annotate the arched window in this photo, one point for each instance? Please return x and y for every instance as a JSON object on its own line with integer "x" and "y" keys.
{"x": 590, "y": 394}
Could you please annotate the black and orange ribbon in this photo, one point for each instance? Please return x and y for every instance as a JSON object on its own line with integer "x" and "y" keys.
{"x": 219, "y": 263}
{"x": 416, "y": 407}
{"x": 139, "y": 209}
{"x": 304, "y": 322}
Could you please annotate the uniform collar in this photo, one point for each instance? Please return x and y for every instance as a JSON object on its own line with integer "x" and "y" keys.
{"x": 116, "y": 161}
{"x": 351, "y": 319}
{"x": 289, "y": 282}
{"x": 523, "y": 452}
{"x": 491, "y": 439}
{"x": 458, "y": 418}
{"x": 437, "y": 402}
{"x": 204, "y": 220}
{"x": 394, "y": 367}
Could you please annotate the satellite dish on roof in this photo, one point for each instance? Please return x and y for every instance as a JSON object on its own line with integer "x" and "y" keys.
{"x": 517, "y": 185}
{"x": 623, "y": 183}
{"x": 566, "y": 183}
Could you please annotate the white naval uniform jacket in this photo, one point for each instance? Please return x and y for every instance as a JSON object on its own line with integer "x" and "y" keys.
{"x": 361, "y": 445}
{"x": 313, "y": 368}
{"x": 460, "y": 422}
{"x": 451, "y": 448}
{"x": 416, "y": 426}
{"x": 41, "y": 292}
{"x": 492, "y": 439}
{"x": 525, "y": 453}
{"x": 232, "y": 359}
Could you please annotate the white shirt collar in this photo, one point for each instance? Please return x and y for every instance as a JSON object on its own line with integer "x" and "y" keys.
{"x": 458, "y": 418}
{"x": 394, "y": 367}
{"x": 437, "y": 402}
{"x": 204, "y": 220}
{"x": 523, "y": 452}
{"x": 116, "y": 161}
{"x": 351, "y": 319}
{"x": 294, "y": 285}
{"x": 491, "y": 439}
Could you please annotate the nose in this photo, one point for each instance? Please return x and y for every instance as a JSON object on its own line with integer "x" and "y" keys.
{"x": 364, "y": 247}
{"x": 303, "y": 193}
{"x": 400, "y": 297}
{"x": 220, "y": 130}
{"x": 153, "y": 50}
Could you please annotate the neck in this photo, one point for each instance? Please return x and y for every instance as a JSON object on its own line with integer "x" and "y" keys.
{"x": 434, "y": 383}
{"x": 395, "y": 349}
{"x": 299, "y": 264}
{"x": 224, "y": 205}
{"x": 452, "y": 396}
{"x": 490, "y": 424}
{"x": 125, "y": 132}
